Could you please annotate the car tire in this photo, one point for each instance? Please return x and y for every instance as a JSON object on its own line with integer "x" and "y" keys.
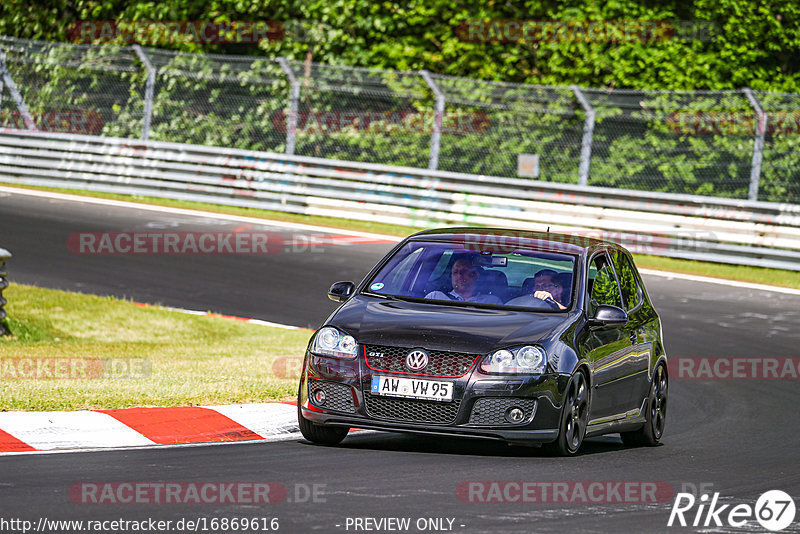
{"x": 651, "y": 432}
{"x": 574, "y": 418}
{"x": 323, "y": 435}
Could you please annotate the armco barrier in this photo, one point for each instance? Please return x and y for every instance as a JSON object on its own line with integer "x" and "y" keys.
{"x": 681, "y": 226}
{"x": 4, "y": 255}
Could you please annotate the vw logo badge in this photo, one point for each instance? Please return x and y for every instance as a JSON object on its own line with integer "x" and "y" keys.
{"x": 416, "y": 360}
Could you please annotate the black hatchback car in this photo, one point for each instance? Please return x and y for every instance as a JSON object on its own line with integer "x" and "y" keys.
{"x": 534, "y": 338}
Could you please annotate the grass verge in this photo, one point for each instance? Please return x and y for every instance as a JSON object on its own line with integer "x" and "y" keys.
{"x": 71, "y": 351}
{"x": 742, "y": 273}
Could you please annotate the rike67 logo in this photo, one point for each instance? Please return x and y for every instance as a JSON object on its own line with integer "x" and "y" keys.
{"x": 774, "y": 510}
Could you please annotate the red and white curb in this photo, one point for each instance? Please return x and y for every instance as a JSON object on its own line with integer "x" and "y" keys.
{"x": 27, "y": 432}
{"x": 141, "y": 427}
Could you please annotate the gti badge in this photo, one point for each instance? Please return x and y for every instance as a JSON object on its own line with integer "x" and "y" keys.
{"x": 416, "y": 360}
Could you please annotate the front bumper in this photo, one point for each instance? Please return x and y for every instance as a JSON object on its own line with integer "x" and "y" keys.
{"x": 475, "y": 411}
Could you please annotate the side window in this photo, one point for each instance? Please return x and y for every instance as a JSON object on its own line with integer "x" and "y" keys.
{"x": 631, "y": 293}
{"x": 603, "y": 287}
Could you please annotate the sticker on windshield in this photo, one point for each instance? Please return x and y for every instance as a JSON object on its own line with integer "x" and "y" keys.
{"x": 376, "y": 286}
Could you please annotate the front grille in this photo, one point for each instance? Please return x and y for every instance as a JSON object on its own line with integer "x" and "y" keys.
{"x": 490, "y": 411}
{"x": 338, "y": 397}
{"x": 441, "y": 363}
{"x": 414, "y": 411}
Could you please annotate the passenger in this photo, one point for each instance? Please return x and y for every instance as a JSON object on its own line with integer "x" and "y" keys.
{"x": 464, "y": 276}
{"x": 564, "y": 282}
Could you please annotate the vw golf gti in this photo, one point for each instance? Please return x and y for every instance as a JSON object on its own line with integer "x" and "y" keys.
{"x": 526, "y": 337}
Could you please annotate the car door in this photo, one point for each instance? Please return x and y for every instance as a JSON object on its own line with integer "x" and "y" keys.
{"x": 606, "y": 347}
{"x": 633, "y": 302}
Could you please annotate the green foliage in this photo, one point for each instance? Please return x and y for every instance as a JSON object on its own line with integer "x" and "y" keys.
{"x": 698, "y": 45}
{"x": 745, "y": 43}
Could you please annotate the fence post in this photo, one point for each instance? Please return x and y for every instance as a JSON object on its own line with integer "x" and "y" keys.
{"x": 436, "y": 138}
{"x": 758, "y": 143}
{"x": 294, "y": 99}
{"x": 4, "y": 255}
{"x": 149, "y": 89}
{"x": 588, "y": 135}
{"x": 15, "y": 94}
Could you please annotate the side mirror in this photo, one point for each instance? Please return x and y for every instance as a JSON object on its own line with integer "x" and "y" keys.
{"x": 607, "y": 315}
{"x": 341, "y": 291}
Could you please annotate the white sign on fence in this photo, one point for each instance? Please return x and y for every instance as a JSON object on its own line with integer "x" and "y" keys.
{"x": 528, "y": 165}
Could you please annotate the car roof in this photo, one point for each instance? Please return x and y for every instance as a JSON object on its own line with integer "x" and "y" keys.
{"x": 574, "y": 244}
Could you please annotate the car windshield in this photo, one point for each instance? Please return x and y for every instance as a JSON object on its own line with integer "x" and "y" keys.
{"x": 452, "y": 272}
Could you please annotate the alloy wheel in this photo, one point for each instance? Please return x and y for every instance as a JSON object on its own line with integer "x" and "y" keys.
{"x": 658, "y": 402}
{"x": 577, "y": 416}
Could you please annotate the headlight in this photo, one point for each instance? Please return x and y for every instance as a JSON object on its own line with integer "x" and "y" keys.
{"x": 502, "y": 358}
{"x": 331, "y": 342}
{"x": 530, "y": 359}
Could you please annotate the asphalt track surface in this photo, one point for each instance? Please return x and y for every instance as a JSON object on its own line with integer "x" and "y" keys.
{"x": 736, "y": 437}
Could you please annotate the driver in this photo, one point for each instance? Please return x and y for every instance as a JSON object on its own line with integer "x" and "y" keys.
{"x": 464, "y": 276}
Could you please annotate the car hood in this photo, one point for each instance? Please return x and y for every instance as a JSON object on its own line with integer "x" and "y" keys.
{"x": 375, "y": 321}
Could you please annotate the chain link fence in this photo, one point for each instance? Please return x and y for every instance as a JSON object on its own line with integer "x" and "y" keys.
{"x": 695, "y": 142}
{"x": 737, "y": 144}
{"x": 67, "y": 87}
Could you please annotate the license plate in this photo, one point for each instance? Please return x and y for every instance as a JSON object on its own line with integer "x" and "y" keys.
{"x": 412, "y": 388}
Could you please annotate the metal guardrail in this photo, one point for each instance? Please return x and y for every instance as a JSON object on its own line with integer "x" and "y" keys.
{"x": 4, "y": 255}
{"x": 763, "y": 234}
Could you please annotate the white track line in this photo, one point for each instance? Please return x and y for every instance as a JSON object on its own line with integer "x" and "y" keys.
{"x": 278, "y": 437}
{"x": 91, "y": 430}
{"x": 312, "y": 228}
{"x": 722, "y": 282}
{"x": 259, "y": 322}
{"x": 70, "y": 430}
{"x": 191, "y": 212}
{"x": 266, "y": 419}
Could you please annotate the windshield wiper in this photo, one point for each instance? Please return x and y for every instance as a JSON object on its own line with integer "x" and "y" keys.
{"x": 457, "y": 303}
{"x": 410, "y": 299}
{"x": 387, "y": 297}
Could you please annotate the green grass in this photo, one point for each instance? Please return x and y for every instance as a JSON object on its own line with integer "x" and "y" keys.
{"x": 176, "y": 359}
{"x": 742, "y": 273}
